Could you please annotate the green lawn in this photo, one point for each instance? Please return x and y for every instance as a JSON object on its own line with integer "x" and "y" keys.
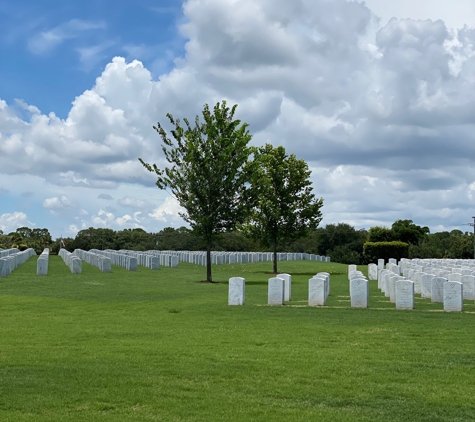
{"x": 160, "y": 346}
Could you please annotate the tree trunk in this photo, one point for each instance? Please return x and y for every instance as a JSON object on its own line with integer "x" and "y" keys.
{"x": 275, "y": 257}
{"x": 208, "y": 261}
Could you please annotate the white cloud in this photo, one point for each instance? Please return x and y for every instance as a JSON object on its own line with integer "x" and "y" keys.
{"x": 385, "y": 118}
{"x": 128, "y": 201}
{"x": 103, "y": 218}
{"x": 58, "y": 202}
{"x": 11, "y": 221}
{"x": 48, "y": 40}
{"x": 169, "y": 209}
{"x": 72, "y": 230}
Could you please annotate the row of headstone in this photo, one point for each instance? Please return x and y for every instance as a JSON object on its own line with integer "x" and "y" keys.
{"x": 279, "y": 290}
{"x": 72, "y": 261}
{"x": 219, "y": 258}
{"x": 7, "y": 252}
{"x": 118, "y": 258}
{"x": 95, "y": 259}
{"x": 428, "y": 280}
{"x": 11, "y": 261}
{"x": 154, "y": 259}
{"x": 42, "y": 263}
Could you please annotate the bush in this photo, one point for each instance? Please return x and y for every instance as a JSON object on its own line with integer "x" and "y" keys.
{"x": 373, "y": 251}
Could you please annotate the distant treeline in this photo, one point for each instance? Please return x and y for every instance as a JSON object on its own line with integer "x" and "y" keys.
{"x": 342, "y": 242}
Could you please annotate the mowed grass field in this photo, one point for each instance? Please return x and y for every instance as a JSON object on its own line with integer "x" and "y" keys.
{"x": 161, "y": 346}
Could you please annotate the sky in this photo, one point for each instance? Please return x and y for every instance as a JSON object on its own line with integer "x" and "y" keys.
{"x": 378, "y": 97}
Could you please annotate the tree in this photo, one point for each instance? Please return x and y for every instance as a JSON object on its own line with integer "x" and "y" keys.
{"x": 342, "y": 242}
{"x": 408, "y": 232}
{"x": 282, "y": 205}
{"x": 380, "y": 234}
{"x": 207, "y": 174}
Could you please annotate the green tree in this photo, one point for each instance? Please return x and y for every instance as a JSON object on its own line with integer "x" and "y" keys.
{"x": 380, "y": 234}
{"x": 342, "y": 242}
{"x": 92, "y": 238}
{"x": 408, "y": 232}
{"x": 282, "y": 204}
{"x": 206, "y": 173}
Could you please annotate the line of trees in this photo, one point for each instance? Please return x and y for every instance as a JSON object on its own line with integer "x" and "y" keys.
{"x": 342, "y": 242}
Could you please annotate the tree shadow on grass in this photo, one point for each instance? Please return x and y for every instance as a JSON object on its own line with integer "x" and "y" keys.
{"x": 294, "y": 273}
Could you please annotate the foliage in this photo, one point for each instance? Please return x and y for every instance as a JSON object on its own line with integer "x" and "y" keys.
{"x": 206, "y": 173}
{"x": 380, "y": 234}
{"x": 282, "y": 205}
{"x": 344, "y": 255}
{"x": 455, "y": 245}
{"x": 93, "y": 238}
{"x": 24, "y": 238}
{"x": 385, "y": 250}
{"x": 408, "y": 232}
{"x": 343, "y": 237}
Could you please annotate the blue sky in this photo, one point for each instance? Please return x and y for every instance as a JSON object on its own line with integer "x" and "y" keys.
{"x": 53, "y": 50}
{"x": 377, "y": 96}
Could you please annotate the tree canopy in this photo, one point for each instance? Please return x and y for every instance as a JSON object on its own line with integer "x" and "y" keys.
{"x": 207, "y": 171}
{"x": 282, "y": 205}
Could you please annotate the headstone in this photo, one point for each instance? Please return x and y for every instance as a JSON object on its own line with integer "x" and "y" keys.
{"x": 392, "y": 288}
{"x": 316, "y": 291}
{"x": 426, "y": 285}
{"x": 372, "y": 272}
{"x": 275, "y": 292}
{"x": 453, "y": 296}
{"x": 468, "y": 282}
{"x": 437, "y": 290}
{"x": 237, "y": 290}
{"x": 287, "y": 286}
{"x": 404, "y": 294}
{"x": 359, "y": 293}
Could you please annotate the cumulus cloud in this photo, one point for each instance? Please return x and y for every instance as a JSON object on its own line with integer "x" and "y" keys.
{"x": 385, "y": 120}
{"x": 103, "y": 218}
{"x": 11, "y": 221}
{"x": 169, "y": 209}
{"x": 58, "y": 202}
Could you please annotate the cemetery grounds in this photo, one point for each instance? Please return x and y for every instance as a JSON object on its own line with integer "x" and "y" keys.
{"x": 161, "y": 346}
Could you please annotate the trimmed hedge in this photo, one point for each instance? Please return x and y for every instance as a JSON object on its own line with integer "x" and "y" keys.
{"x": 373, "y": 251}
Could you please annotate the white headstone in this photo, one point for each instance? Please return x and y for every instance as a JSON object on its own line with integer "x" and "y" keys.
{"x": 275, "y": 292}
{"x": 372, "y": 272}
{"x": 359, "y": 293}
{"x": 237, "y": 289}
{"x": 453, "y": 296}
{"x": 426, "y": 285}
{"x": 437, "y": 290}
{"x": 468, "y": 282}
{"x": 316, "y": 291}
{"x": 287, "y": 286}
{"x": 404, "y": 294}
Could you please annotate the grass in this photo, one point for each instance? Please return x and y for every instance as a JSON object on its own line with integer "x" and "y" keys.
{"x": 160, "y": 346}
